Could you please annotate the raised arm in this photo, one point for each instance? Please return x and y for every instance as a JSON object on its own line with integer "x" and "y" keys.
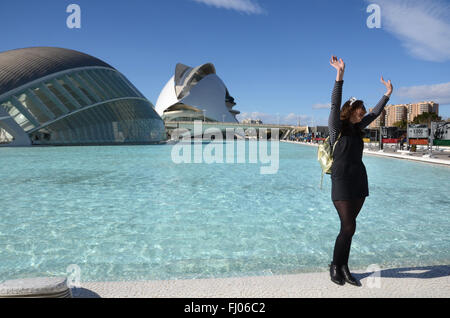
{"x": 334, "y": 121}
{"x": 368, "y": 119}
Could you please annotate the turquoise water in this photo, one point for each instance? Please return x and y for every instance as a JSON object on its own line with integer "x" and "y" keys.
{"x": 130, "y": 213}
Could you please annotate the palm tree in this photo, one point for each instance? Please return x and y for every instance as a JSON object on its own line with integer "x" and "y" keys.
{"x": 426, "y": 119}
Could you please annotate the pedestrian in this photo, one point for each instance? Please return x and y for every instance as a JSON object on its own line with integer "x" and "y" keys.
{"x": 348, "y": 174}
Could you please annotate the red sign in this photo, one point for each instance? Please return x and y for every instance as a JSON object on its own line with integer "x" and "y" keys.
{"x": 320, "y": 139}
{"x": 418, "y": 141}
{"x": 390, "y": 141}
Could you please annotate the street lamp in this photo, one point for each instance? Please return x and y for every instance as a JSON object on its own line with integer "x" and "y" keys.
{"x": 204, "y": 116}
{"x": 223, "y": 117}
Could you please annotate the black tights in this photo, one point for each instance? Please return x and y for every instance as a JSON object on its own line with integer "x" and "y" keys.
{"x": 348, "y": 212}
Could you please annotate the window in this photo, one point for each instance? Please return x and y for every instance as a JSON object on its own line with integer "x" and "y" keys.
{"x": 61, "y": 97}
{"x": 81, "y": 88}
{"x": 122, "y": 84}
{"x": 48, "y": 102}
{"x": 67, "y": 86}
{"x": 112, "y": 86}
{"x": 93, "y": 85}
{"x": 18, "y": 117}
{"x": 38, "y": 111}
{"x": 95, "y": 75}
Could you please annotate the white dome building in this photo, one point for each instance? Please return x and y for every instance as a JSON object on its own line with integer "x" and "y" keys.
{"x": 196, "y": 94}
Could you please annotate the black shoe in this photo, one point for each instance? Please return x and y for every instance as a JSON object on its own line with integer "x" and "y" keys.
{"x": 336, "y": 274}
{"x": 348, "y": 277}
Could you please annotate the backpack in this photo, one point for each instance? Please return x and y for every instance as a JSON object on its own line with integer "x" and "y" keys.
{"x": 325, "y": 157}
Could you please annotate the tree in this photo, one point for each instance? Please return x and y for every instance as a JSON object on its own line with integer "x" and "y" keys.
{"x": 402, "y": 124}
{"x": 426, "y": 119}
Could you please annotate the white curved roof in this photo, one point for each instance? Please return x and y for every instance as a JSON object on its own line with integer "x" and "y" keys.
{"x": 199, "y": 88}
{"x": 167, "y": 97}
{"x": 186, "y": 77}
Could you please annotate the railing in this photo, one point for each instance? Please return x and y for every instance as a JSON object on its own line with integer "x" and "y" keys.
{"x": 190, "y": 123}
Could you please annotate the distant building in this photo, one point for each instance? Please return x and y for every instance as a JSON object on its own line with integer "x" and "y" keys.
{"x": 196, "y": 94}
{"x": 320, "y": 131}
{"x": 395, "y": 113}
{"x": 415, "y": 110}
{"x": 252, "y": 121}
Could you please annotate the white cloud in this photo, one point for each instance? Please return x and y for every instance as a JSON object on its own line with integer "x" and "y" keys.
{"x": 439, "y": 93}
{"x": 246, "y": 6}
{"x": 322, "y": 106}
{"x": 421, "y": 26}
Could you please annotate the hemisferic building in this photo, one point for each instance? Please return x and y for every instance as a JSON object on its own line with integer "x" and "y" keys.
{"x": 55, "y": 96}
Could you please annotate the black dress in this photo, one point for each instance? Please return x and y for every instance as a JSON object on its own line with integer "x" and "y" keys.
{"x": 348, "y": 173}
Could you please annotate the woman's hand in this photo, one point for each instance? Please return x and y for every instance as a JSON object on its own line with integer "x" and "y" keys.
{"x": 339, "y": 65}
{"x": 388, "y": 85}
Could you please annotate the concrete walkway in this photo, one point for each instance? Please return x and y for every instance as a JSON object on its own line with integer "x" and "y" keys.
{"x": 441, "y": 157}
{"x": 428, "y": 282}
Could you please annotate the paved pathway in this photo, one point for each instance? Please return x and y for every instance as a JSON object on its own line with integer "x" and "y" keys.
{"x": 432, "y": 281}
{"x": 438, "y": 157}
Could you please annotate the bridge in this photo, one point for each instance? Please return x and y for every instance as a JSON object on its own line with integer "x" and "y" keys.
{"x": 285, "y": 130}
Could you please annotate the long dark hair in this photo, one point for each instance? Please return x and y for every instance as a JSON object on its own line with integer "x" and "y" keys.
{"x": 346, "y": 113}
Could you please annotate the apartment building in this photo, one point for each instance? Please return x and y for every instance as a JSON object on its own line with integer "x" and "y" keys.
{"x": 415, "y": 110}
{"x": 395, "y": 113}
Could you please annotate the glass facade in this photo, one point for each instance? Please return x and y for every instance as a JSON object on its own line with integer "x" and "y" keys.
{"x": 19, "y": 113}
{"x": 127, "y": 121}
{"x": 88, "y": 106}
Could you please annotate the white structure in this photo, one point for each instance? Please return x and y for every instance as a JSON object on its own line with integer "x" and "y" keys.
{"x": 196, "y": 94}
{"x": 252, "y": 121}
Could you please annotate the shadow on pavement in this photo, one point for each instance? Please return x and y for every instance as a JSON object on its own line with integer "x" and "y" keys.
{"x": 425, "y": 272}
{"x": 84, "y": 293}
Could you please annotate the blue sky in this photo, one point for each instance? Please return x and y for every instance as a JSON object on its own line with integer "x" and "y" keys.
{"x": 272, "y": 55}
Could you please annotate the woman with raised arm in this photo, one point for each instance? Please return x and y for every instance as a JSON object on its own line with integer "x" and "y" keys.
{"x": 349, "y": 185}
